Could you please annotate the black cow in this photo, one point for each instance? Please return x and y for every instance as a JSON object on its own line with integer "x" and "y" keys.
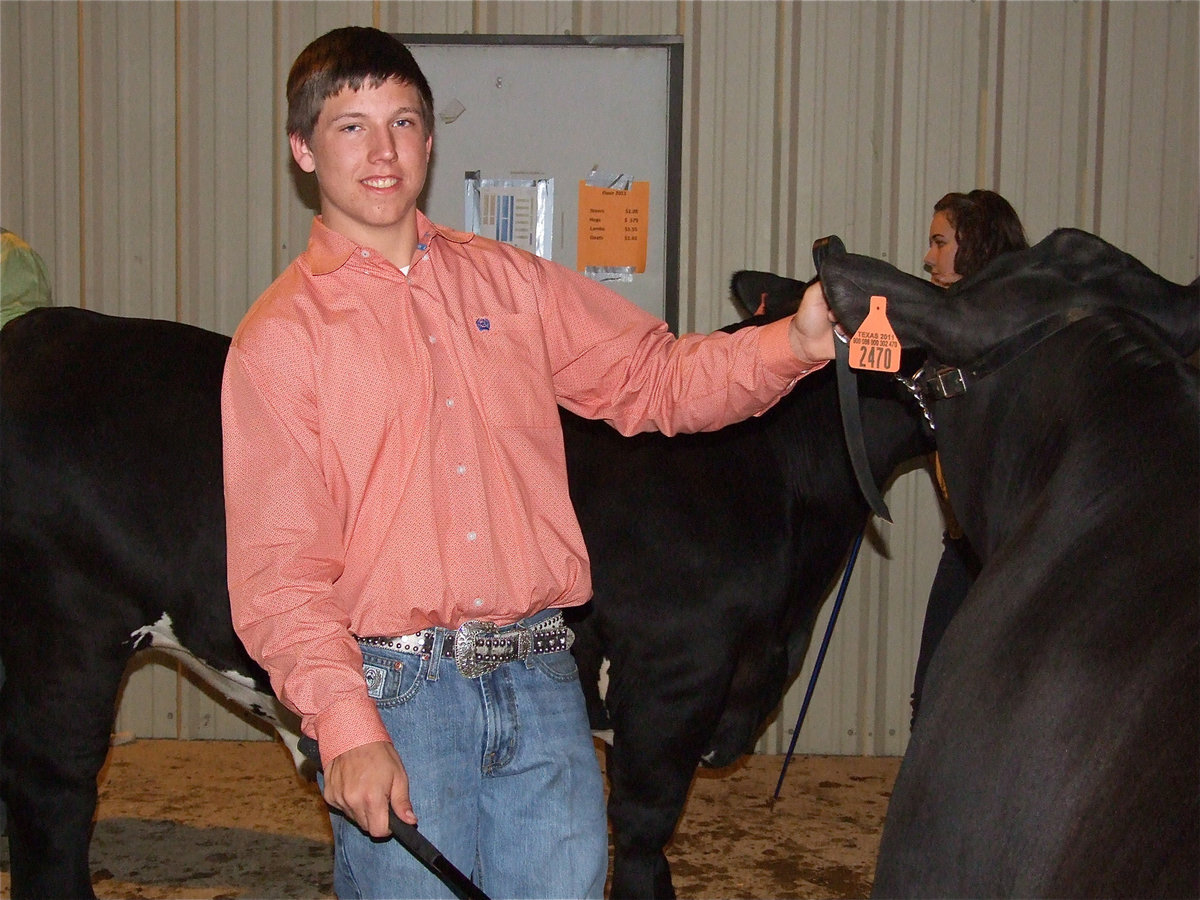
{"x": 1058, "y": 749}
{"x": 711, "y": 554}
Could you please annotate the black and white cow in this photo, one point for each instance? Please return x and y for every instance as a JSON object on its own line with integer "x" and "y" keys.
{"x": 112, "y": 539}
{"x": 711, "y": 555}
{"x": 1058, "y": 749}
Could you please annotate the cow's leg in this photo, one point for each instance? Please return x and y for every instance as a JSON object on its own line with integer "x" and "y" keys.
{"x": 656, "y": 749}
{"x": 57, "y": 708}
{"x": 643, "y": 812}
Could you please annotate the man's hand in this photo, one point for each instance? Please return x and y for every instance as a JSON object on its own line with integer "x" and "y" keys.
{"x": 811, "y": 331}
{"x": 364, "y": 782}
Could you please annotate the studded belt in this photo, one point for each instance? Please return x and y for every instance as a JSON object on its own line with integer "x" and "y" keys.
{"x": 481, "y": 647}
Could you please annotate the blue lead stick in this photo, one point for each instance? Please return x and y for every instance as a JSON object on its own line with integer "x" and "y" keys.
{"x": 416, "y": 843}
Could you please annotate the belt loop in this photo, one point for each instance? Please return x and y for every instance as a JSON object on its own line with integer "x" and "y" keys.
{"x": 435, "y": 652}
{"x": 525, "y": 643}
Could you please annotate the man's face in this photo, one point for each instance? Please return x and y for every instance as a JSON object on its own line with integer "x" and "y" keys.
{"x": 943, "y": 245}
{"x": 370, "y": 153}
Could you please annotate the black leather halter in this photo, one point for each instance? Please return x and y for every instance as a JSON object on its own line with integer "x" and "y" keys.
{"x": 932, "y": 381}
{"x": 847, "y": 388}
{"x": 944, "y": 382}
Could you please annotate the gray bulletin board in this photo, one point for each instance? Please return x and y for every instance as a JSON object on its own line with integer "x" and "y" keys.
{"x": 560, "y": 107}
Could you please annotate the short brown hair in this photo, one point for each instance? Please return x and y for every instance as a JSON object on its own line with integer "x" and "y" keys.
{"x": 349, "y": 57}
{"x": 985, "y": 225}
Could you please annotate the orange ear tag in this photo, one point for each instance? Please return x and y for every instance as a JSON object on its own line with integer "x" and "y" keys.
{"x": 874, "y": 346}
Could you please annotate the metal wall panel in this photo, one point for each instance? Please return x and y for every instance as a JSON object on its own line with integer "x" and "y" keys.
{"x": 427, "y": 18}
{"x": 228, "y": 148}
{"x": 39, "y": 126}
{"x": 1047, "y": 97}
{"x": 520, "y": 17}
{"x": 1148, "y": 185}
{"x": 143, "y": 153}
{"x": 626, "y": 17}
{"x": 152, "y": 690}
{"x": 728, "y": 154}
{"x": 127, "y": 101}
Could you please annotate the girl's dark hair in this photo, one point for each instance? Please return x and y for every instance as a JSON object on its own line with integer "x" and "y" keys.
{"x": 985, "y": 225}
{"x": 349, "y": 57}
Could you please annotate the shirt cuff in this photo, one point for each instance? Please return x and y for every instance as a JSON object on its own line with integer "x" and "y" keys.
{"x": 777, "y": 355}
{"x": 347, "y": 725}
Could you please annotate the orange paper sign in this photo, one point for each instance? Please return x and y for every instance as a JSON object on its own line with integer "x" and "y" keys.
{"x": 874, "y": 346}
{"x": 613, "y": 226}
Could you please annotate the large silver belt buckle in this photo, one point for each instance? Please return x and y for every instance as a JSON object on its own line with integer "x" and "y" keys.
{"x": 466, "y": 656}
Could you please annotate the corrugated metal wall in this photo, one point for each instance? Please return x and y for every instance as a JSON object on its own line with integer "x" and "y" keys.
{"x": 142, "y": 152}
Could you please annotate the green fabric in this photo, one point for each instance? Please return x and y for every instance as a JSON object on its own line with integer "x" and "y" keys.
{"x": 24, "y": 283}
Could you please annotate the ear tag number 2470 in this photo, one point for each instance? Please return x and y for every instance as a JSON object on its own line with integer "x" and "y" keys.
{"x": 874, "y": 346}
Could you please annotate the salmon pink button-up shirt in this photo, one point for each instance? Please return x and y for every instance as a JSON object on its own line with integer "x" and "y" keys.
{"x": 393, "y": 455}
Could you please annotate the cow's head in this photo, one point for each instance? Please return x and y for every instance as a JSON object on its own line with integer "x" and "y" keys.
{"x": 1068, "y": 273}
{"x": 1046, "y": 307}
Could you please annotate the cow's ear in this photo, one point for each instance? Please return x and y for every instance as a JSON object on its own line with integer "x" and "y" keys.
{"x": 766, "y": 294}
{"x": 742, "y": 291}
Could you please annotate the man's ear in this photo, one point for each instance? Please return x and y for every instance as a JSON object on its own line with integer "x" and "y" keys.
{"x": 302, "y": 154}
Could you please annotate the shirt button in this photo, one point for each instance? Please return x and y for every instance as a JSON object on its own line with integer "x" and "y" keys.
{"x": 461, "y": 470}
{"x": 471, "y": 535}
{"x": 449, "y": 401}
{"x": 433, "y": 339}
{"x": 478, "y": 601}
{"x": 365, "y": 253}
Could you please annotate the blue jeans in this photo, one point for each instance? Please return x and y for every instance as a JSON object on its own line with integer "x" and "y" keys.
{"x": 503, "y": 777}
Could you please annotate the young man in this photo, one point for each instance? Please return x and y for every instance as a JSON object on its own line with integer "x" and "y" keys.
{"x": 400, "y": 533}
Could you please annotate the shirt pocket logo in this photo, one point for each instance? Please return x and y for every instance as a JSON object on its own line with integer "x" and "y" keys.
{"x": 512, "y": 371}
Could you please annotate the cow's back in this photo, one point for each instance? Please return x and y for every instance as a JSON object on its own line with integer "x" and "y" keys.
{"x": 110, "y": 484}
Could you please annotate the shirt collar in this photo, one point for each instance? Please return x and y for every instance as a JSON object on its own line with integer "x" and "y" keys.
{"x": 327, "y": 250}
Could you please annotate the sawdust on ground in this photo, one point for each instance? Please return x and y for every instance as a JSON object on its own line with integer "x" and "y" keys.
{"x": 232, "y": 819}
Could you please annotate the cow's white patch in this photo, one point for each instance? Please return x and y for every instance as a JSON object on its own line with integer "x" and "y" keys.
{"x": 602, "y": 683}
{"x": 236, "y": 687}
{"x": 605, "y": 664}
{"x": 161, "y": 633}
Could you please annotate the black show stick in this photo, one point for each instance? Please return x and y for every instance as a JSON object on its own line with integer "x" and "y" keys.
{"x": 416, "y": 843}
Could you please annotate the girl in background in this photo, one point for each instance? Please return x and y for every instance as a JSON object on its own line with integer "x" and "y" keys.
{"x": 967, "y": 232}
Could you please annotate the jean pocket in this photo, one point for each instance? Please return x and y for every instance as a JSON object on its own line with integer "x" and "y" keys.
{"x": 392, "y": 678}
{"x": 559, "y": 666}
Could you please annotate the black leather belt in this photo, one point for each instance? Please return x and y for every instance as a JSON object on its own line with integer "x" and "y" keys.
{"x": 481, "y": 647}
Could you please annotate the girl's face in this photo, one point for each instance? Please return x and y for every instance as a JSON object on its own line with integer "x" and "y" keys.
{"x": 943, "y": 245}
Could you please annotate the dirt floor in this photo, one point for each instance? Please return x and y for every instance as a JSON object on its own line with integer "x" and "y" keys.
{"x": 228, "y": 819}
